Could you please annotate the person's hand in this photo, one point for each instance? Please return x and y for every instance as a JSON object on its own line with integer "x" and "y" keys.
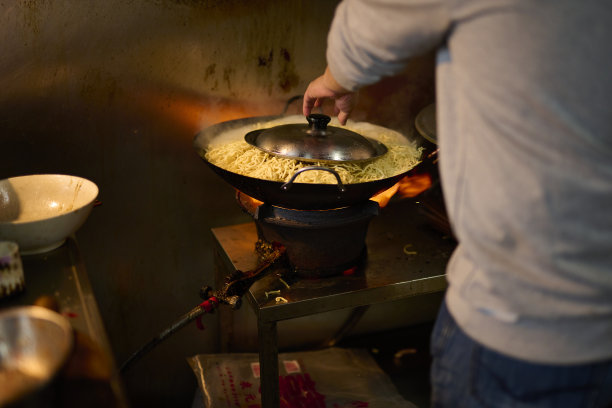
{"x": 324, "y": 87}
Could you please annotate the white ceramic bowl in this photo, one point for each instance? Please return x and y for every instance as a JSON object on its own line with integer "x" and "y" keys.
{"x": 40, "y": 211}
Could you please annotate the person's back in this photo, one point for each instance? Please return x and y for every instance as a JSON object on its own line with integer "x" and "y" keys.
{"x": 526, "y": 143}
{"x": 525, "y": 137}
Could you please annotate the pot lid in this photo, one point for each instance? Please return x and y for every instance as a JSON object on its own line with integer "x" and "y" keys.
{"x": 315, "y": 141}
{"x": 425, "y": 123}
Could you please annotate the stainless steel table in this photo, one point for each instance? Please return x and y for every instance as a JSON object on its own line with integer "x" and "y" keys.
{"x": 406, "y": 257}
{"x": 61, "y": 274}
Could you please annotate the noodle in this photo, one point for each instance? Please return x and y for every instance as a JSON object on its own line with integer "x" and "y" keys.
{"x": 240, "y": 157}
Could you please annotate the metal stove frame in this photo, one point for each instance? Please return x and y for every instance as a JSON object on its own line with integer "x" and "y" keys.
{"x": 406, "y": 257}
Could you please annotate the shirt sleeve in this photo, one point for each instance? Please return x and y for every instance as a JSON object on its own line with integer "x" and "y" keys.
{"x": 371, "y": 39}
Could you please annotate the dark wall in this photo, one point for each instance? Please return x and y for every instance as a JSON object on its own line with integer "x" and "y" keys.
{"x": 115, "y": 91}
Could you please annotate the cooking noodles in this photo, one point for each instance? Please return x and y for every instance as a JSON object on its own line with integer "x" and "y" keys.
{"x": 231, "y": 152}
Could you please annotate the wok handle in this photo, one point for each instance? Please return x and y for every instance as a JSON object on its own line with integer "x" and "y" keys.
{"x": 288, "y": 184}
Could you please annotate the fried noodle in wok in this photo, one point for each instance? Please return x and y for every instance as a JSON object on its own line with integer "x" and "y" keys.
{"x": 240, "y": 157}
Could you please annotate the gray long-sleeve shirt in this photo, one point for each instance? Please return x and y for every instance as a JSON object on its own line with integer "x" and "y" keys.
{"x": 524, "y": 94}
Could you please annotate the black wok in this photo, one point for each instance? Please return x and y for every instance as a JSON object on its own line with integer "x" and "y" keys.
{"x": 301, "y": 196}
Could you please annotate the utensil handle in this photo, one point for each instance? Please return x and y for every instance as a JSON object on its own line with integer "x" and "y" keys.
{"x": 288, "y": 184}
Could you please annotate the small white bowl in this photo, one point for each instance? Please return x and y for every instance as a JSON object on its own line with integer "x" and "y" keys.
{"x": 40, "y": 211}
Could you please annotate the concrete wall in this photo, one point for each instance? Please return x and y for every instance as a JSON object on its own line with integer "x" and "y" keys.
{"x": 114, "y": 91}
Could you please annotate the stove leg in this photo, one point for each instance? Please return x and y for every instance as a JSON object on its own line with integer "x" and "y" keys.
{"x": 268, "y": 364}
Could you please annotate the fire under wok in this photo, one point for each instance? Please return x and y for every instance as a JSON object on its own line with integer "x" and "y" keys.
{"x": 291, "y": 194}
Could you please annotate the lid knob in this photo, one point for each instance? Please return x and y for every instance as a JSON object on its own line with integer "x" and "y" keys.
{"x": 318, "y": 123}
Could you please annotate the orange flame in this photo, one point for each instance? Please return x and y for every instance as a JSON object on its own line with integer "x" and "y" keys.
{"x": 383, "y": 198}
{"x": 409, "y": 186}
{"x": 248, "y": 203}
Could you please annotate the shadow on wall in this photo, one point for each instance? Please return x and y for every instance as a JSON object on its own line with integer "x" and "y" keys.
{"x": 115, "y": 91}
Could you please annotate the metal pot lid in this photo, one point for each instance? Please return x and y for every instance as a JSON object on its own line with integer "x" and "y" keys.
{"x": 425, "y": 123}
{"x": 316, "y": 142}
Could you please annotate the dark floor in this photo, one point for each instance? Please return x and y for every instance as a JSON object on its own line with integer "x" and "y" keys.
{"x": 404, "y": 355}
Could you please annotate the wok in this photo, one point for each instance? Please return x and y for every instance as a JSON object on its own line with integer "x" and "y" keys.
{"x": 295, "y": 195}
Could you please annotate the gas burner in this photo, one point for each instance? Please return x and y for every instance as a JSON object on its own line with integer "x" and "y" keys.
{"x": 319, "y": 243}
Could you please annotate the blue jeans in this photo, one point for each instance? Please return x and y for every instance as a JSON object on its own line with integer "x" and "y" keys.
{"x": 466, "y": 374}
